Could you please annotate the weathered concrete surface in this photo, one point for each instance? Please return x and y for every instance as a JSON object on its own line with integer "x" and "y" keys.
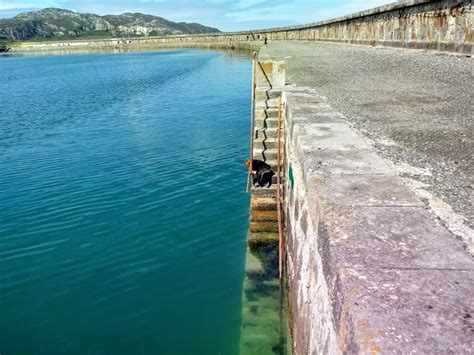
{"x": 370, "y": 269}
{"x": 443, "y": 25}
{"x": 414, "y": 107}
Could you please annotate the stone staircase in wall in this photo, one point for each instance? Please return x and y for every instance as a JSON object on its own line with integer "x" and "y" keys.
{"x": 264, "y": 316}
{"x": 264, "y": 313}
{"x": 263, "y": 213}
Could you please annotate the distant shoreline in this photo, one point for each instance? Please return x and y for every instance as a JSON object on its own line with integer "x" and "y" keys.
{"x": 212, "y": 41}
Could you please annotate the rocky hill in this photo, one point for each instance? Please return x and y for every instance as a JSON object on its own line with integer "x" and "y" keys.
{"x": 59, "y": 23}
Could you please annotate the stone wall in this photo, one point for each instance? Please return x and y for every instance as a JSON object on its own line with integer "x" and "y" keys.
{"x": 445, "y": 25}
{"x": 369, "y": 269}
{"x": 121, "y": 44}
{"x": 435, "y": 25}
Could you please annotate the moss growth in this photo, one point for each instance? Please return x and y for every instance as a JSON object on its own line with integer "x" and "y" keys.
{"x": 264, "y": 326}
{"x": 266, "y": 251}
{"x": 257, "y": 240}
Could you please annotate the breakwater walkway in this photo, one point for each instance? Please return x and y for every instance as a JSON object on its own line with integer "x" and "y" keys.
{"x": 414, "y": 108}
{"x": 377, "y": 262}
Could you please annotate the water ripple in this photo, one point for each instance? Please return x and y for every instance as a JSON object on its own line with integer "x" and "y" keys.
{"x": 123, "y": 214}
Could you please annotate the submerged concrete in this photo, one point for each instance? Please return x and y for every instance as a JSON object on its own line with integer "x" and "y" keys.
{"x": 264, "y": 315}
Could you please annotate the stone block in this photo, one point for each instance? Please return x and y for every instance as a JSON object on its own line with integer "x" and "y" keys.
{"x": 363, "y": 190}
{"x": 349, "y": 160}
{"x": 388, "y": 237}
{"x": 406, "y": 311}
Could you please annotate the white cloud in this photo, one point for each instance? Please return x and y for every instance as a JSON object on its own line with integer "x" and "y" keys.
{"x": 245, "y": 4}
{"x": 300, "y": 12}
{"x": 18, "y": 5}
{"x": 13, "y": 5}
{"x": 349, "y": 8}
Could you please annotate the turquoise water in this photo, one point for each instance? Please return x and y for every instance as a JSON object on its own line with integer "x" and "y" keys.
{"x": 123, "y": 214}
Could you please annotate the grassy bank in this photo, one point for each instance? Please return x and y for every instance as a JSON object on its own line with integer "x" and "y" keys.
{"x": 5, "y": 43}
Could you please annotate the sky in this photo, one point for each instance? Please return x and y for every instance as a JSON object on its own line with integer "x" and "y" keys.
{"x": 226, "y": 15}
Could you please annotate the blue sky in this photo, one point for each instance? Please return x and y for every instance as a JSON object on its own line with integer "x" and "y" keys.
{"x": 224, "y": 14}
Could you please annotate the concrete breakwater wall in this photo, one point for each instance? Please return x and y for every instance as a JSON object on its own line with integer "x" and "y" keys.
{"x": 417, "y": 24}
{"x": 420, "y": 24}
{"x": 132, "y": 44}
{"x": 369, "y": 268}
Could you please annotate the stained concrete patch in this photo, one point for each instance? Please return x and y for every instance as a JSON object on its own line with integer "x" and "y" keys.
{"x": 363, "y": 191}
{"x": 407, "y": 311}
{"x": 391, "y": 237}
{"x": 340, "y": 162}
{"x": 304, "y": 222}
{"x": 404, "y": 168}
{"x": 313, "y": 114}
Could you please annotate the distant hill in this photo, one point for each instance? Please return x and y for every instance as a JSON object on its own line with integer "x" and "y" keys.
{"x": 59, "y": 23}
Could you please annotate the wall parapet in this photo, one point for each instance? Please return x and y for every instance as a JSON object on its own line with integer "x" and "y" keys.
{"x": 370, "y": 270}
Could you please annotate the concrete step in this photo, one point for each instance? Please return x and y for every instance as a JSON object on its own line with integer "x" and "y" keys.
{"x": 258, "y": 227}
{"x": 272, "y": 103}
{"x": 266, "y": 133}
{"x": 267, "y": 123}
{"x": 260, "y": 155}
{"x": 263, "y": 216}
{"x": 271, "y": 237}
{"x": 263, "y": 113}
{"x": 265, "y": 94}
{"x": 269, "y": 158}
{"x": 267, "y": 154}
{"x": 268, "y": 143}
{"x": 262, "y": 238}
{"x": 264, "y": 191}
{"x": 263, "y": 204}
{"x": 263, "y": 143}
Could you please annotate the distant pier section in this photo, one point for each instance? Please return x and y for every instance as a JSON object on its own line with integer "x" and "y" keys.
{"x": 417, "y": 24}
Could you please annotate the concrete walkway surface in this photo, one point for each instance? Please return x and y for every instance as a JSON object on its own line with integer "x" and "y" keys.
{"x": 415, "y": 108}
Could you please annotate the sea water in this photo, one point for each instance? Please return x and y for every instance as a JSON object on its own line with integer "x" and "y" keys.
{"x": 123, "y": 213}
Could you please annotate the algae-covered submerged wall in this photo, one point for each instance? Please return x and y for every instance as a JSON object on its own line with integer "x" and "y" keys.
{"x": 443, "y": 25}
